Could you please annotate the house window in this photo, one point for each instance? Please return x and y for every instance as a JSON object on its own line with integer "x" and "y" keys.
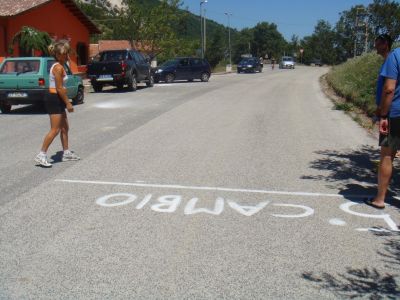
{"x": 81, "y": 51}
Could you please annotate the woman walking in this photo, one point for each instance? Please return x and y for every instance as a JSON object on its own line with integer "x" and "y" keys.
{"x": 55, "y": 104}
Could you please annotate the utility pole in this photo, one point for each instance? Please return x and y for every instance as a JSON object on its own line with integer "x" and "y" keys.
{"x": 205, "y": 32}
{"x": 229, "y": 38}
{"x": 201, "y": 27}
{"x": 366, "y": 36}
{"x": 356, "y": 31}
{"x": 355, "y": 34}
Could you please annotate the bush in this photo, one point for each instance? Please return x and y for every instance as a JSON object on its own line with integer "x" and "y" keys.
{"x": 356, "y": 81}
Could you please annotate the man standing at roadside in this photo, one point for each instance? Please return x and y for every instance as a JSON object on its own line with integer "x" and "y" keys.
{"x": 388, "y": 101}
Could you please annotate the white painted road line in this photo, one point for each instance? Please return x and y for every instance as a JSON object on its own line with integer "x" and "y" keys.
{"x": 205, "y": 188}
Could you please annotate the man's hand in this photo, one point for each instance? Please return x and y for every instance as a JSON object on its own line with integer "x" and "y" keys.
{"x": 384, "y": 126}
{"x": 70, "y": 108}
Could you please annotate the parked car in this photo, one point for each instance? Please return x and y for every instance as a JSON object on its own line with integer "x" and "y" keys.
{"x": 317, "y": 62}
{"x": 287, "y": 62}
{"x": 25, "y": 80}
{"x": 250, "y": 64}
{"x": 119, "y": 68}
{"x": 183, "y": 68}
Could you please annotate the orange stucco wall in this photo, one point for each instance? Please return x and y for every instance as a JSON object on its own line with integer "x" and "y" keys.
{"x": 53, "y": 18}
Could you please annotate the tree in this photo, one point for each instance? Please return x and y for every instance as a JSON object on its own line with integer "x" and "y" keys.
{"x": 384, "y": 17}
{"x": 322, "y": 44}
{"x": 216, "y": 48}
{"x": 242, "y": 43}
{"x": 151, "y": 24}
{"x": 267, "y": 40}
{"x": 30, "y": 39}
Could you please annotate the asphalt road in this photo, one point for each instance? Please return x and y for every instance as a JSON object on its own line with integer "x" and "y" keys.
{"x": 246, "y": 187}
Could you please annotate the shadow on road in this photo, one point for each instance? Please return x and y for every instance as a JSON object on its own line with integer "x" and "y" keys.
{"x": 28, "y": 110}
{"x": 366, "y": 283}
{"x": 355, "y": 172}
{"x": 57, "y": 158}
{"x": 114, "y": 90}
{"x": 352, "y": 171}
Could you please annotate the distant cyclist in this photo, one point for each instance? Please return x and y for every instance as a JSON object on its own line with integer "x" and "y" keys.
{"x": 55, "y": 104}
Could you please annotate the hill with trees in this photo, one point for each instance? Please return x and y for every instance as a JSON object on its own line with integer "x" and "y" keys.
{"x": 172, "y": 31}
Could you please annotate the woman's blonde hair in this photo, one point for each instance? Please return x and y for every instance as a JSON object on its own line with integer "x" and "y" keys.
{"x": 59, "y": 47}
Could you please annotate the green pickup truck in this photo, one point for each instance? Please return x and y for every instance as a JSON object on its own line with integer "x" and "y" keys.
{"x": 25, "y": 80}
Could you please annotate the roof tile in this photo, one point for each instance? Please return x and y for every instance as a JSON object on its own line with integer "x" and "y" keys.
{"x": 11, "y": 8}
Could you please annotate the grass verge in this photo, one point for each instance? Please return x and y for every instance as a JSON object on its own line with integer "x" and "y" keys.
{"x": 355, "y": 81}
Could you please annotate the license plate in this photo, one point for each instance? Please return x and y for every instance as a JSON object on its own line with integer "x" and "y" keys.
{"x": 17, "y": 95}
{"x": 105, "y": 77}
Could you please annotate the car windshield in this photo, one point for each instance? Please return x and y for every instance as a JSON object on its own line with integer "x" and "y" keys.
{"x": 287, "y": 59}
{"x": 113, "y": 56}
{"x": 20, "y": 67}
{"x": 247, "y": 61}
{"x": 169, "y": 63}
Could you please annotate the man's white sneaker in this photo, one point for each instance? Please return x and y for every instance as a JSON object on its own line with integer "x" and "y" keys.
{"x": 70, "y": 156}
{"x": 42, "y": 161}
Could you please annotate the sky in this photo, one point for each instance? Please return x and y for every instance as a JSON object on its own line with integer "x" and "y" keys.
{"x": 297, "y": 17}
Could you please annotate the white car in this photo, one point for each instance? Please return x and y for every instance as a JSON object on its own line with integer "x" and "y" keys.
{"x": 287, "y": 62}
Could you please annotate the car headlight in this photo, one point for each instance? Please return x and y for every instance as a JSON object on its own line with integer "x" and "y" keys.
{"x": 249, "y": 66}
{"x": 159, "y": 71}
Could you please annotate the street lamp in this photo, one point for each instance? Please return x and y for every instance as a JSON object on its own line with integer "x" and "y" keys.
{"x": 201, "y": 27}
{"x": 229, "y": 38}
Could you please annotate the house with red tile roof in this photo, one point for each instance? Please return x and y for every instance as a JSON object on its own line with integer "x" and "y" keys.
{"x": 62, "y": 19}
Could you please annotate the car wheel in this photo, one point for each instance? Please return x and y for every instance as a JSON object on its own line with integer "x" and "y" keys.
{"x": 190, "y": 79}
{"x": 169, "y": 78}
{"x": 80, "y": 96}
{"x": 5, "y": 108}
{"x": 205, "y": 77}
{"x": 150, "y": 81}
{"x": 132, "y": 83}
{"x": 97, "y": 87}
{"x": 156, "y": 80}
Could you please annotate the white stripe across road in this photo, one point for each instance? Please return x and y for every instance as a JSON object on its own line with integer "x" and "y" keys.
{"x": 206, "y": 188}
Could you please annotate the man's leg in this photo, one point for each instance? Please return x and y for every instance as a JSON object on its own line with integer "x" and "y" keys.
{"x": 384, "y": 175}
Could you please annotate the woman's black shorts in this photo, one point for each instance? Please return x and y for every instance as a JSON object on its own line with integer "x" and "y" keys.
{"x": 54, "y": 104}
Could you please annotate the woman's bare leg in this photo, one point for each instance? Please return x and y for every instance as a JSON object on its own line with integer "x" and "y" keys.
{"x": 64, "y": 131}
{"x": 55, "y": 123}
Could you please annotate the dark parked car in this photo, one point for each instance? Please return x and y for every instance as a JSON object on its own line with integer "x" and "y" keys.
{"x": 317, "y": 62}
{"x": 250, "y": 64}
{"x": 183, "y": 68}
{"x": 120, "y": 67}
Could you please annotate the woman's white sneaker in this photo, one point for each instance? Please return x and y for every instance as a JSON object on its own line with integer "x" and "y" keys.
{"x": 42, "y": 161}
{"x": 70, "y": 156}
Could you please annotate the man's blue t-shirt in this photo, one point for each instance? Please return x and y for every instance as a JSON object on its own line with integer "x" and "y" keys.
{"x": 379, "y": 86}
{"x": 391, "y": 70}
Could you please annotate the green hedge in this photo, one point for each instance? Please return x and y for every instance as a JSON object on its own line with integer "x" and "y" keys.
{"x": 356, "y": 80}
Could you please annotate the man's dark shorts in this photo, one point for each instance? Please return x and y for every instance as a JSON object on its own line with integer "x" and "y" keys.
{"x": 392, "y": 140}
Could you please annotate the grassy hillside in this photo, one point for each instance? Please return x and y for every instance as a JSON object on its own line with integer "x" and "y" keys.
{"x": 356, "y": 80}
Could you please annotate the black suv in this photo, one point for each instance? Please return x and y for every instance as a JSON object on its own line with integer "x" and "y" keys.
{"x": 120, "y": 67}
{"x": 250, "y": 64}
{"x": 183, "y": 68}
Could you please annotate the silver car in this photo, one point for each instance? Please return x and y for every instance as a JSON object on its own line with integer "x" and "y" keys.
{"x": 287, "y": 62}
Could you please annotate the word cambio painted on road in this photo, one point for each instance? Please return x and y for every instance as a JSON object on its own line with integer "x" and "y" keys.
{"x": 170, "y": 203}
